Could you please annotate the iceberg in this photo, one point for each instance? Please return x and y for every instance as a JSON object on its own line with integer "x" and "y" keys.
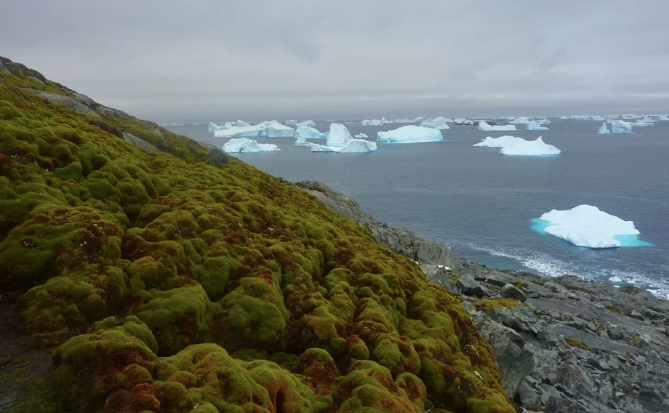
{"x": 270, "y": 129}
{"x": 339, "y": 140}
{"x": 373, "y": 122}
{"x": 663, "y": 117}
{"x": 640, "y": 124}
{"x": 309, "y": 123}
{"x": 564, "y": 117}
{"x": 604, "y": 130}
{"x": 484, "y": 126}
{"x": 274, "y": 129}
{"x": 213, "y": 127}
{"x": 520, "y": 121}
{"x": 461, "y": 121}
{"x": 410, "y": 134}
{"x": 244, "y": 145}
{"x": 338, "y": 135}
{"x": 533, "y": 125}
{"x": 620, "y": 126}
{"x": 361, "y": 136}
{"x": 500, "y": 142}
{"x": 587, "y": 226}
{"x": 522, "y": 147}
{"x": 242, "y": 123}
{"x": 436, "y": 123}
{"x": 302, "y": 133}
{"x": 352, "y": 146}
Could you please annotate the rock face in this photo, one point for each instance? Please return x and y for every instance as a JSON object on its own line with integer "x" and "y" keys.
{"x": 563, "y": 345}
{"x": 139, "y": 142}
{"x": 73, "y": 104}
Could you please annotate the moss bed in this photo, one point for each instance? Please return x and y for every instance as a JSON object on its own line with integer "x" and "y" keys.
{"x": 167, "y": 283}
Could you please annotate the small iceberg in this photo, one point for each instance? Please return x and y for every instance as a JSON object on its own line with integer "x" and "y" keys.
{"x": 514, "y": 146}
{"x": 484, "y": 126}
{"x": 302, "y": 133}
{"x": 663, "y": 118}
{"x": 410, "y": 134}
{"x": 587, "y": 226}
{"x": 373, "y": 122}
{"x": 620, "y": 126}
{"x": 245, "y": 145}
{"x": 534, "y": 125}
{"x": 361, "y": 136}
{"x": 536, "y": 147}
{"x": 436, "y": 123}
{"x": 520, "y": 121}
{"x": 604, "y": 130}
{"x": 339, "y": 140}
{"x": 461, "y": 121}
{"x": 309, "y": 123}
{"x": 500, "y": 142}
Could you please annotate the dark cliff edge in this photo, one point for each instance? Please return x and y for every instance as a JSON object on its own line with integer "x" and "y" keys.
{"x": 562, "y": 344}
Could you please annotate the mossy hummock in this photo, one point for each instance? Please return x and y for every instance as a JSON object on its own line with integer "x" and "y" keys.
{"x": 174, "y": 284}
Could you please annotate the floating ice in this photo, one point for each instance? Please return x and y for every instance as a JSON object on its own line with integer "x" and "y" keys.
{"x": 641, "y": 124}
{"x": 484, "y": 126}
{"x": 520, "y": 121}
{"x": 410, "y": 134}
{"x": 663, "y": 117}
{"x": 302, "y": 133}
{"x": 242, "y": 123}
{"x": 604, "y": 130}
{"x": 243, "y": 145}
{"x": 361, "y": 136}
{"x": 461, "y": 121}
{"x": 522, "y": 147}
{"x": 338, "y": 135}
{"x": 620, "y": 126}
{"x": 564, "y": 117}
{"x": 436, "y": 123}
{"x": 291, "y": 122}
{"x": 213, "y": 127}
{"x": 587, "y": 226}
{"x": 309, "y": 123}
{"x": 534, "y": 125}
{"x": 373, "y": 122}
{"x": 500, "y": 142}
{"x": 270, "y": 129}
{"x": 351, "y": 146}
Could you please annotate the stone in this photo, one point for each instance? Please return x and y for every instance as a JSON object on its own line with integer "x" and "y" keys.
{"x": 217, "y": 156}
{"x": 512, "y": 292}
{"x": 468, "y": 286}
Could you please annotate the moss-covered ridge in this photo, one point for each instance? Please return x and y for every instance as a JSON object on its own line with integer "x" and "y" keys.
{"x": 172, "y": 284}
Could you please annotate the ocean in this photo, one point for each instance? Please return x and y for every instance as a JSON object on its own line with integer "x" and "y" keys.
{"x": 481, "y": 204}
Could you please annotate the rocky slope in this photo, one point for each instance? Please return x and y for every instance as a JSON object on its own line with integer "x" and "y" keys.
{"x": 142, "y": 272}
{"x": 563, "y": 345}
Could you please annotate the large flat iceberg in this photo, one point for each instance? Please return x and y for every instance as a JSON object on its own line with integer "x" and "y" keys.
{"x": 485, "y": 126}
{"x": 534, "y": 125}
{"x": 410, "y": 134}
{"x": 587, "y": 226}
{"x": 536, "y": 147}
{"x": 244, "y": 145}
{"x": 269, "y": 129}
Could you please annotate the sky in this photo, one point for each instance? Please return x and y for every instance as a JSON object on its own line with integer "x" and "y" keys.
{"x": 202, "y": 60}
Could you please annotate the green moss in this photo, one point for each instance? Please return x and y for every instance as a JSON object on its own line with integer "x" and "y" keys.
{"x": 614, "y": 309}
{"x": 487, "y": 304}
{"x": 163, "y": 254}
{"x": 574, "y": 342}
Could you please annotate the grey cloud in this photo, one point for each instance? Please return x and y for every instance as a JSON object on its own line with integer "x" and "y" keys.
{"x": 172, "y": 60}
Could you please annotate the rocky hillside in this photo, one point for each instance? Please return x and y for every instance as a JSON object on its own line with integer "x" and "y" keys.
{"x": 140, "y": 272}
{"x": 563, "y": 345}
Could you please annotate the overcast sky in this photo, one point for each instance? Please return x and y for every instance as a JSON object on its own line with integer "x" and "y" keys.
{"x": 200, "y": 60}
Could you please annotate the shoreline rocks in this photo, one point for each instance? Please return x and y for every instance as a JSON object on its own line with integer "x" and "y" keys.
{"x": 562, "y": 344}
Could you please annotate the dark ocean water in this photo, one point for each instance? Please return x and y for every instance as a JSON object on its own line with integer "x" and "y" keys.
{"x": 481, "y": 204}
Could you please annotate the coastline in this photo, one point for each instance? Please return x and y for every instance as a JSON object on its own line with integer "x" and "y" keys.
{"x": 563, "y": 344}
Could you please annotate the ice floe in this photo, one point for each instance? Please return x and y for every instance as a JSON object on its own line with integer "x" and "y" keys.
{"x": 410, "y": 134}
